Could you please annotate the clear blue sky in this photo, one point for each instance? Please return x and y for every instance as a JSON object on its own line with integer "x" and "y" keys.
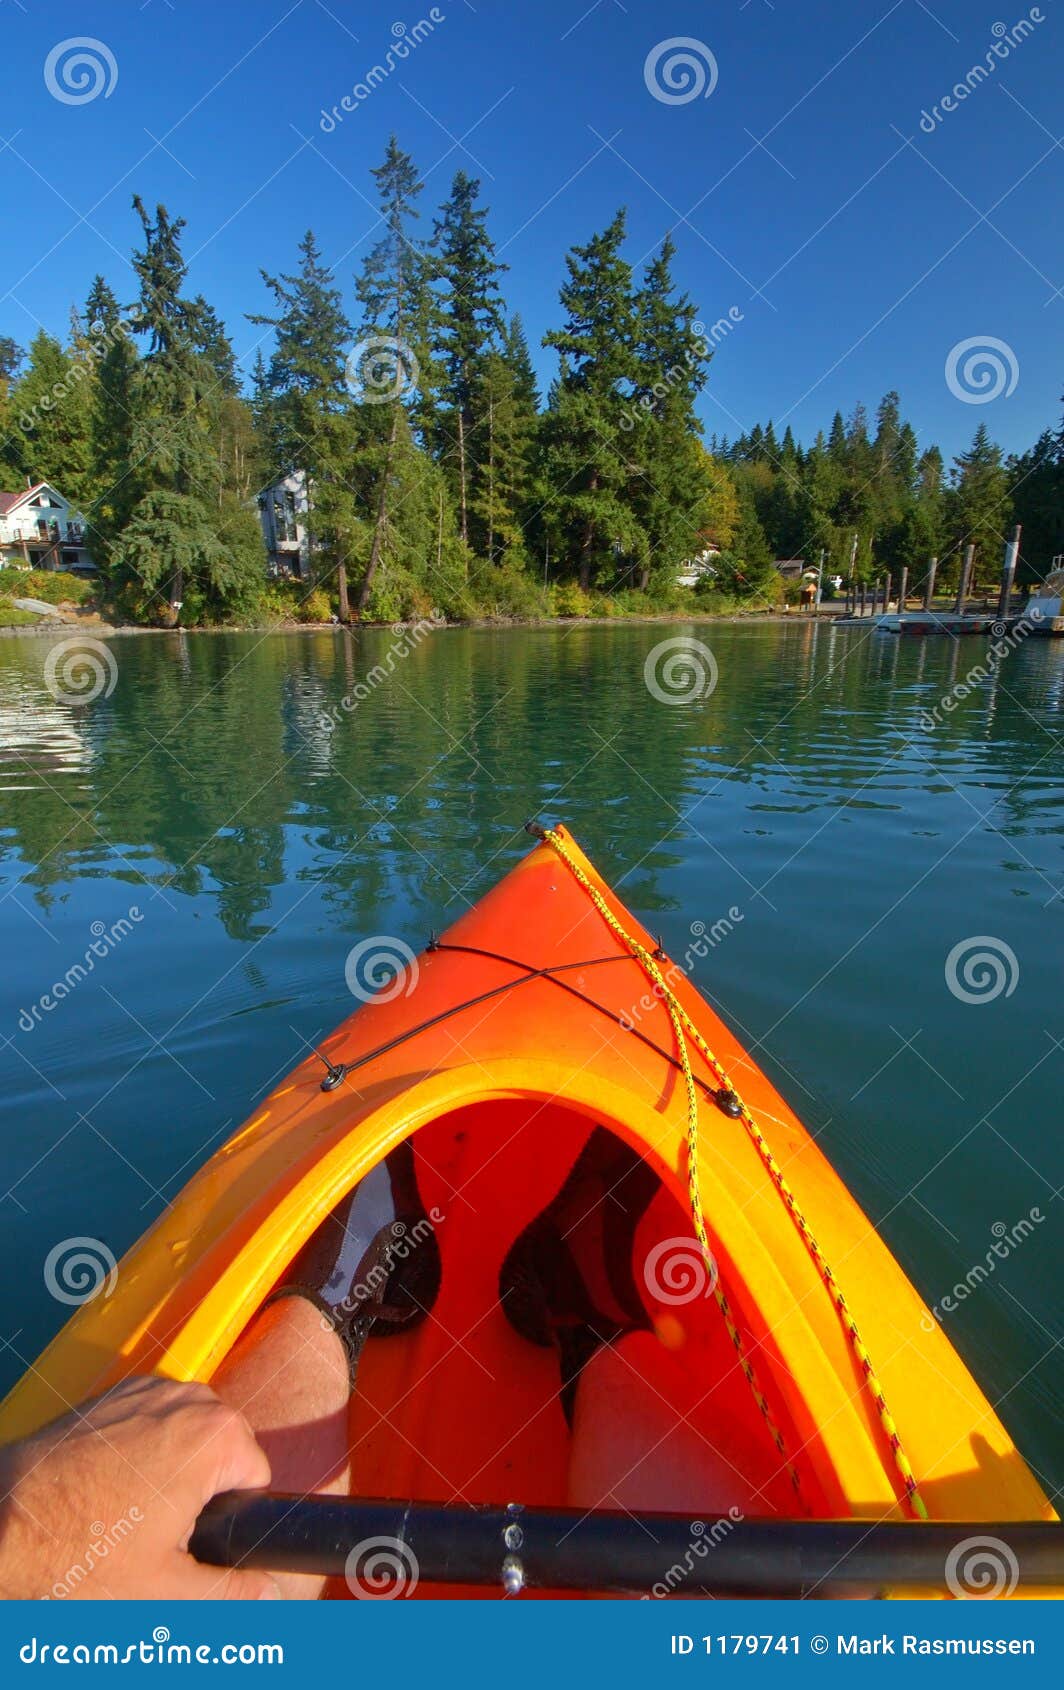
{"x": 859, "y": 248}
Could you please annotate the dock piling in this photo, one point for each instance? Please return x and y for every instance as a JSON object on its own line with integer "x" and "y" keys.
{"x": 1008, "y": 572}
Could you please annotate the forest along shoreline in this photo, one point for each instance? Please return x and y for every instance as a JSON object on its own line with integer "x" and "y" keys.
{"x": 384, "y": 446}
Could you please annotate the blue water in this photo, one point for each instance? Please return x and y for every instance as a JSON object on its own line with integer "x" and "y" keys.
{"x": 805, "y": 791}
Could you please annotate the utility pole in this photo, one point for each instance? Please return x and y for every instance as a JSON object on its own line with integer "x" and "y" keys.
{"x": 819, "y": 583}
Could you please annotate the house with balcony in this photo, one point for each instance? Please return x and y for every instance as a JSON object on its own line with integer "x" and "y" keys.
{"x": 284, "y": 512}
{"x": 39, "y": 529}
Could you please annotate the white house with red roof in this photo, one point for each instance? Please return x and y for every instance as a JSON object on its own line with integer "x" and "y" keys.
{"x": 39, "y": 529}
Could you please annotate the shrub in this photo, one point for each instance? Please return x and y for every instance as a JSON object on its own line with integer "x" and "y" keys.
{"x": 566, "y": 598}
{"x": 503, "y": 591}
{"x": 53, "y": 586}
{"x": 314, "y": 606}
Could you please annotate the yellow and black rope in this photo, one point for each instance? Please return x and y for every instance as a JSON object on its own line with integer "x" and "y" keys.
{"x": 684, "y": 1029}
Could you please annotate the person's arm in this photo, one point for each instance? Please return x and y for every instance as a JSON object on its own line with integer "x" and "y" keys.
{"x": 102, "y": 1503}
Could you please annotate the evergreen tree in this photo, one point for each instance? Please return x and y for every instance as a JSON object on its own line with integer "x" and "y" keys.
{"x": 215, "y": 348}
{"x": 169, "y": 550}
{"x": 670, "y": 487}
{"x": 587, "y": 443}
{"x": 110, "y": 420}
{"x": 49, "y": 412}
{"x": 398, "y": 307}
{"x": 471, "y": 330}
{"x": 302, "y": 405}
{"x": 1037, "y": 479}
{"x": 979, "y": 507}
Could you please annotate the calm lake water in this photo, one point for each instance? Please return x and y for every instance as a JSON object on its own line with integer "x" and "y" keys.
{"x": 858, "y": 846}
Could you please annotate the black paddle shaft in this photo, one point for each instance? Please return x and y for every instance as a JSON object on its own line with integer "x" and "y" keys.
{"x": 376, "y": 1542}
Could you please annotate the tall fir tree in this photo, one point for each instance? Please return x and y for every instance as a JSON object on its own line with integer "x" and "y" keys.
{"x": 398, "y": 374}
{"x": 979, "y": 505}
{"x": 470, "y": 334}
{"x": 586, "y": 434}
{"x": 169, "y": 557}
{"x": 671, "y": 486}
{"x": 110, "y": 419}
{"x": 303, "y": 408}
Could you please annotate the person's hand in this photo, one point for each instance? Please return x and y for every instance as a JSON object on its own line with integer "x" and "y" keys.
{"x": 102, "y": 1503}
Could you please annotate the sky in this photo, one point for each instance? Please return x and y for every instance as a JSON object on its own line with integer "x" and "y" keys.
{"x": 859, "y": 239}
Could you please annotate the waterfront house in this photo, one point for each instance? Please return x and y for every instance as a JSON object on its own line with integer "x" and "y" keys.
{"x": 284, "y": 512}
{"x": 700, "y": 567}
{"x": 39, "y": 529}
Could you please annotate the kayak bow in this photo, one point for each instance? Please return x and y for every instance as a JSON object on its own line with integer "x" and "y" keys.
{"x": 545, "y": 1014}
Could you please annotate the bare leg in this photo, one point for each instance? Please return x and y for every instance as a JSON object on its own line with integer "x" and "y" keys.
{"x": 632, "y": 1449}
{"x": 288, "y": 1375}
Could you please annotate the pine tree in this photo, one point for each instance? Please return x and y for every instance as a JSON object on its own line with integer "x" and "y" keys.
{"x": 169, "y": 550}
{"x": 670, "y": 489}
{"x": 979, "y": 506}
{"x": 302, "y": 403}
{"x": 394, "y": 291}
{"x": 110, "y": 420}
{"x": 471, "y": 330}
{"x": 587, "y": 440}
{"x": 215, "y": 348}
{"x": 1037, "y": 479}
{"x": 49, "y": 411}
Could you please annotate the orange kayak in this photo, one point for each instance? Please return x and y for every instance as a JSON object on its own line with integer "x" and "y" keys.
{"x": 782, "y": 1357}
